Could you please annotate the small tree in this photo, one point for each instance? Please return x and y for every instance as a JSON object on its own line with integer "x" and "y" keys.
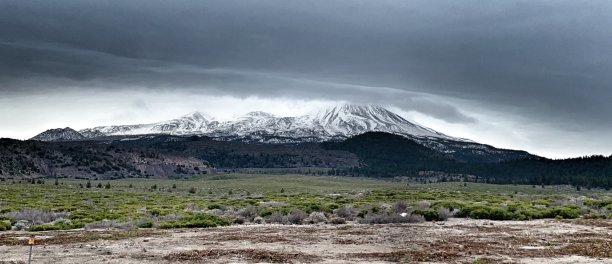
{"x": 192, "y": 190}
{"x": 107, "y": 186}
{"x": 282, "y": 190}
{"x": 173, "y": 186}
{"x": 99, "y": 185}
{"x": 154, "y": 187}
{"x": 88, "y": 185}
{"x": 56, "y": 182}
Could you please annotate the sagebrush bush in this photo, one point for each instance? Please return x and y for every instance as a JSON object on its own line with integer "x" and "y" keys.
{"x": 249, "y": 213}
{"x": 36, "y": 216}
{"x": 277, "y": 218}
{"x": 296, "y": 217}
{"x": 345, "y": 212}
{"x": 444, "y": 214}
{"x": 399, "y": 207}
{"x": 316, "y": 218}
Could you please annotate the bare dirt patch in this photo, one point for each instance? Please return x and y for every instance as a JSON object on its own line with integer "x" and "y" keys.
{"x": 454, "y": 241}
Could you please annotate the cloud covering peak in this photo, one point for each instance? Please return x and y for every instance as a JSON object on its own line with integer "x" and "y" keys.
{"x": 537, "y": 63}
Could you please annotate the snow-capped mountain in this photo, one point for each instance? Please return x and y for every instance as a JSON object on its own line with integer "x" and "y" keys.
{"x": 59, "y": 134}
{"x": 334, "y": 122}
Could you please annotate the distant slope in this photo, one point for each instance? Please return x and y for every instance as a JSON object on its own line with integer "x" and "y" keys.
{"x": 473, "y": 152}
{"x": 389, "y": 155}
{"x": 593, "y": 171}
{"x": 19, "y": 159}
{"x": 156, "y": 156}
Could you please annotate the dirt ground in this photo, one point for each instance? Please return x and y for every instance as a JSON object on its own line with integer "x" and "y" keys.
{"x": 453, "y": 241}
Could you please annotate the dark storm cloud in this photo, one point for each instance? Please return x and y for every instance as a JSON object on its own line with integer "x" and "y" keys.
{"x": 546, "y": 60}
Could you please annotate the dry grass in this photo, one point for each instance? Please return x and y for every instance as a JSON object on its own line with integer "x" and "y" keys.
{"x": 409, "y": 255}
{"x": 591, "y": 222}
{"x": 62, "y": 238}
{"x": 597, "y": 248}
{"x": 256, "y": 255}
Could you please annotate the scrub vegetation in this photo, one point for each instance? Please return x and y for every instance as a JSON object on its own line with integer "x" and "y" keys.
{"x": 224, "y": 199}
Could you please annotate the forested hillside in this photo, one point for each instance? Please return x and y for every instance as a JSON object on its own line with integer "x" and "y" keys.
{"x": 373, "y": 154}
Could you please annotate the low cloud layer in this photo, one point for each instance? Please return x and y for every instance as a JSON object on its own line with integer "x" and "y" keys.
{"x": 534, "y": 63}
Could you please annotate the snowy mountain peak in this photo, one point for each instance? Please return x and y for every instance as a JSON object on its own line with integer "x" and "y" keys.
{"x": 197, "y": 117}
{"x": 59, "y": 134}
{"x": 350, "y": 120}
{"x": 349, "y": 111}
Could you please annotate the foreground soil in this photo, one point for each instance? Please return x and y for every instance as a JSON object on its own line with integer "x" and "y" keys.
{"x": 454, "y": 241}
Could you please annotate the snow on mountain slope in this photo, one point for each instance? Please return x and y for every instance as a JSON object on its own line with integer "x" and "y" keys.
{"x": 334, "y": 122}
{"x": 194, "y": 123}
{"x": 59, "y": 134}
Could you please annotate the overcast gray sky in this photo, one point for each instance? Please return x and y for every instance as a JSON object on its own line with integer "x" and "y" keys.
{"x": 532, "y": 75}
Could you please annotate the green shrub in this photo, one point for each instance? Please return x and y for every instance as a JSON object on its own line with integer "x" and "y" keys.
{"x": 199, "y": 220}
{"x": 486, "y": 212}
{"x": 564, "y": 212}
{"x": 598, "y": 203}
{"x": 333, "y": 206}
{"x": 155, "y": 211}
{"x": 269, "y": 211}
{"x": 429, "y": 214}
{"x": 145, "y": 224}
{"x": 59, "y": 225}
{"x": 214, "y": 206}
{"x": 81, "y": 215}
{"x": 4, "y": 226}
